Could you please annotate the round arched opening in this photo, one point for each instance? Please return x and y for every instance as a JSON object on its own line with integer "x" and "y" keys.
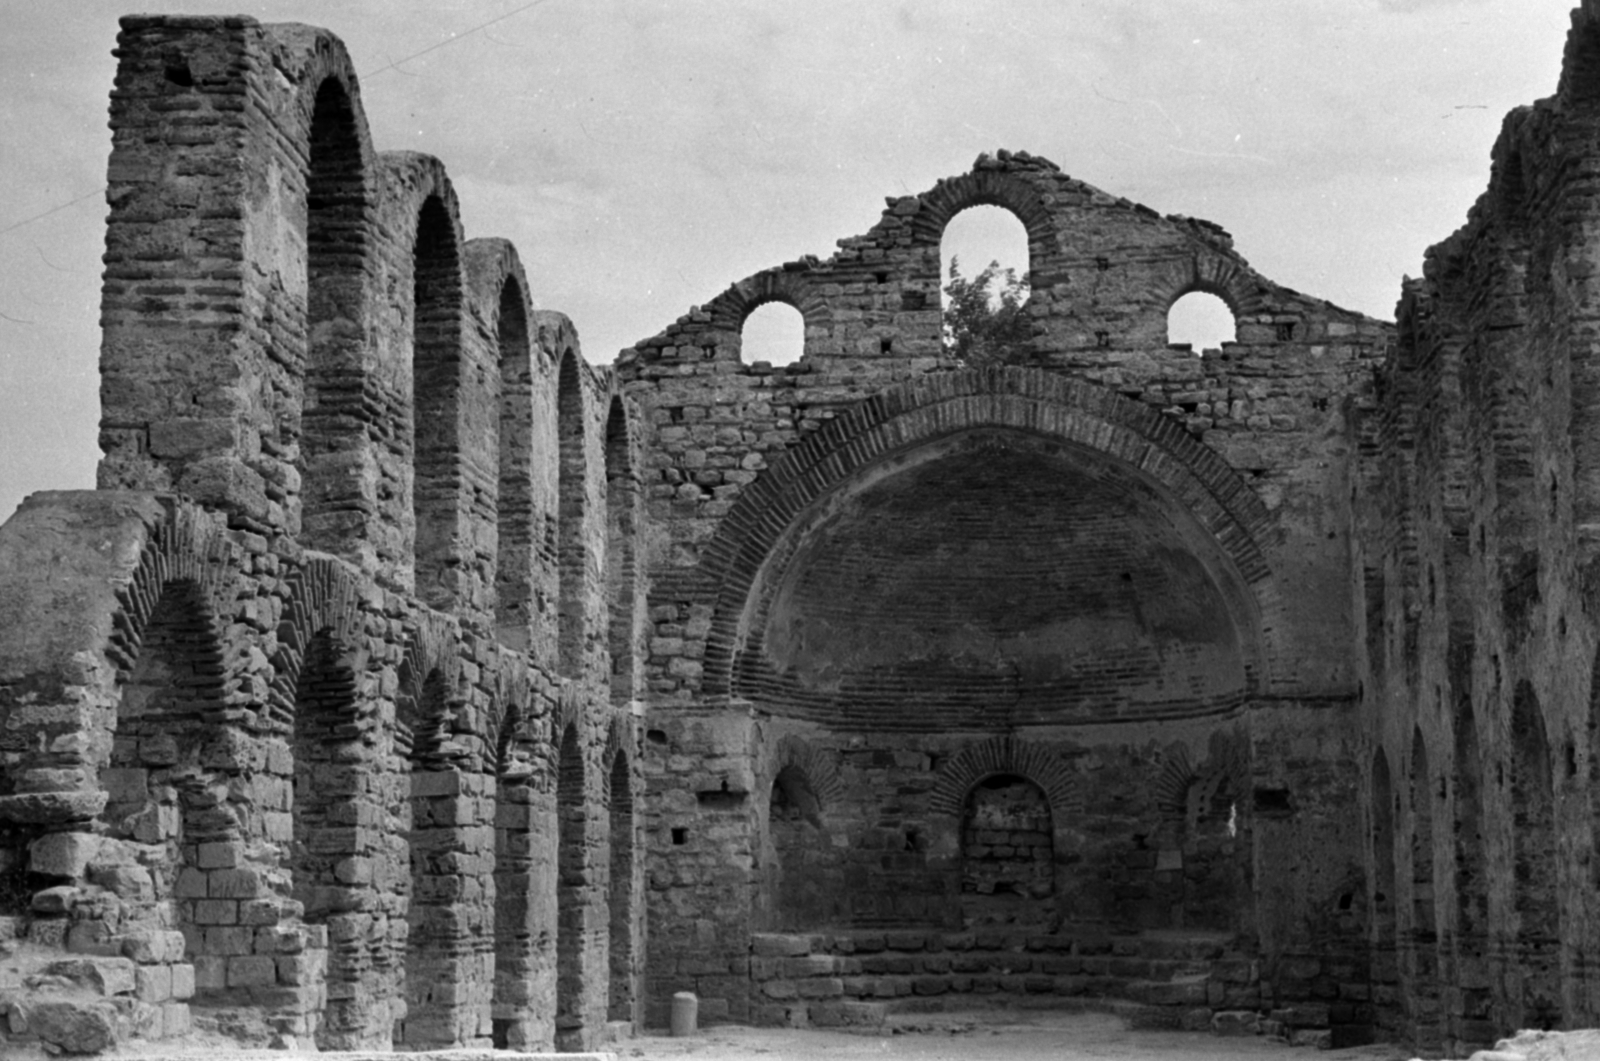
{"x": 1200, "y": 321}
{"x": 774, "y": 333}
{"x": 983, "y": 284}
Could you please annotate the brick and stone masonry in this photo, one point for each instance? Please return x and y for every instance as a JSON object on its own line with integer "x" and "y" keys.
{"x": 404, "y": 667}
{"x": 310, "y": 715}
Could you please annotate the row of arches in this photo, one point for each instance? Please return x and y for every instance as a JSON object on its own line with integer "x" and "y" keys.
{"x": 350, "y": 812}
{"x": 774, "y": 331}
{"x": 883, "y": 293}
{"x": 999, "y": 844}
{"x": 1442, "y": 916}
{"x": 540, "y": 566}
{"x": 414, "y": 413}
{"x": 375, "y": 815}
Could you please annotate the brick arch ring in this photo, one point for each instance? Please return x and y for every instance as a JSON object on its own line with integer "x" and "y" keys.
{"x": 324, "y": 596}
{"x": 509, "y": 713}
{"x": 620, "y": 745}
{"x": 432, "y": 644}
{"x": 1005, "y": 755}
{"x": 186, "y": 548}
{"x": 984, "y": 187}
{"x": 926, "y": 410}
{"x": 619, "y": 740}
{"x": 1227, "y": 277}
{"x": 818, "y": 769}
{"x": 729, "y": 309}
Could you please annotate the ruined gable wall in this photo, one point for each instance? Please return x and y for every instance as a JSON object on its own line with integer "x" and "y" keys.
{"x": 726, "y": 480}
{"x": 1268, "y": 405}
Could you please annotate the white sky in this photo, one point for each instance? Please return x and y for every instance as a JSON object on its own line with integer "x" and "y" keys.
{"x": 644, "y": 154}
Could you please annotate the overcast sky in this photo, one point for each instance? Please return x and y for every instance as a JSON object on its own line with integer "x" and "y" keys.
{"x": 644, "y": 154}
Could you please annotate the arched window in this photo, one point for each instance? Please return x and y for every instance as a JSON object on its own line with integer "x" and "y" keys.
{"x": 983, "y": 283}
{"x": 1200, "y": 321}
{"x": 774, "y": 332}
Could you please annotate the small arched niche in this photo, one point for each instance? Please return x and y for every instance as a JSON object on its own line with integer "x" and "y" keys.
{"x": 1200, "y": 320}
{"x": 775, "y": 333}
{"x": 1007, "y": 853}
{"x": 983, "y": 283}
{"x": 801, "y": 883}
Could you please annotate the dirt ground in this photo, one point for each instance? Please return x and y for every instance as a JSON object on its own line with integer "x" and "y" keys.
{"x": 1009, "y": 1037}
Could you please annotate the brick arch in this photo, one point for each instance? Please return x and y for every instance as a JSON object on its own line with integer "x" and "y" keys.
{"x": 418, "y": 206}
{"x": 329, "y": 129}
{"x": 625, "y": 591}
{"x": 184, "y": 546}
{"x": 491, "y": 263}
{"x": 324, "y": 595}
{"x": 568, "y": 712}
{"x": 510, "y": 711}
{"x": 573, "y": 549}
{"x": 310, "y": 56}
{"x": 1172, "y": 782}
{"x": 1236, "y": 284}
{"x": 730, "y": 309}
{"x": 430, "y": 669}
{"x": 818, "y": 768}
{"x": 1005, "y": 755}
{"x": 932, "y": 408}
{"x": 619, "y": 740}
{"x": 185, "y": 581}
{"x": 498, "y": 298}
{"x": 985, "y": 187}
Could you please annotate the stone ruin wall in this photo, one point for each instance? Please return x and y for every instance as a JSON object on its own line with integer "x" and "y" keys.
{"x": 320, "y": 717}
{"x": 763, "y": 477}
{"x": 402, "y": 662}
{"x": 1477, "y": 531}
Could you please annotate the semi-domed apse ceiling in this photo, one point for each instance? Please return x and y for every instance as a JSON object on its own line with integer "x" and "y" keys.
{"x": 996, "y": 578}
